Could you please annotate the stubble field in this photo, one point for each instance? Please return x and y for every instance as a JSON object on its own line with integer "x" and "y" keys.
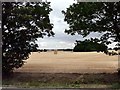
{"x": 70, "y": 62}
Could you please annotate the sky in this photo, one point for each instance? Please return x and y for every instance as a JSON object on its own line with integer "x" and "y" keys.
{"x": 61, "y": 40}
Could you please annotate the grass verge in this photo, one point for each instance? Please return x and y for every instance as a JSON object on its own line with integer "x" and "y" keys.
{"x": 62, "y": 80}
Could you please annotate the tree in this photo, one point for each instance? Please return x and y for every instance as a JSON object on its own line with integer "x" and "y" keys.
{"x": 102, "y": 17}
{"x": 22, "y": 24}
{"x": 87, "y": 17}
{"x": 89, "y": 45}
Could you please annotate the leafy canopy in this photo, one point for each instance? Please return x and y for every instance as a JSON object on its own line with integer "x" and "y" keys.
{"x": 22, "y": 24}
{"x": 87, "y": 17}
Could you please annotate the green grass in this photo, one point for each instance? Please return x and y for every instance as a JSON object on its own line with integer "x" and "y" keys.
{"x": 115, "y": 86}
{"x": 73, "y": 80}
{"x": 55, "y": 85}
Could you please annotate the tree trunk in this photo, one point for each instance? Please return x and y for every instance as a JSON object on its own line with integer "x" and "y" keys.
{"x": 118, "y": 63}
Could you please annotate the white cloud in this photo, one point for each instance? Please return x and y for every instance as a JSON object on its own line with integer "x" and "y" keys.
{"x": 42, "y": 44}
{"x": 61, "y": 39}
{"x": 54, "y": 44}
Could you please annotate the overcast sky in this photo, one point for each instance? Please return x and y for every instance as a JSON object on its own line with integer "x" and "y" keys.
{"x": 60, "y": 40}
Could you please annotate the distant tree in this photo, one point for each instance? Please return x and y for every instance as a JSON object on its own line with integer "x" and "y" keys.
{"x": 89, "y": 45}
{"x": 22, "y": 24}
{"x": 67, "y": 50}
{"x": 109, "y": 48}
{"x": 116, "y": 48}
{"x": 45, "y": 50}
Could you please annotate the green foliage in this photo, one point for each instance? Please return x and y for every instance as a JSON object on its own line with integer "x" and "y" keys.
{"x": 87, "y": 17}
{"x": 89, "y": 45}
{"x": 115, "y": 86}
{"x": 22, "y": 24}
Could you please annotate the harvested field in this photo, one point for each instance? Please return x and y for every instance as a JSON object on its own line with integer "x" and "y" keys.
{"x": 70, "y": 62}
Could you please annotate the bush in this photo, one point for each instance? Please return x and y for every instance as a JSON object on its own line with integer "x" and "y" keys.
{"x": 88, "y": 46}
